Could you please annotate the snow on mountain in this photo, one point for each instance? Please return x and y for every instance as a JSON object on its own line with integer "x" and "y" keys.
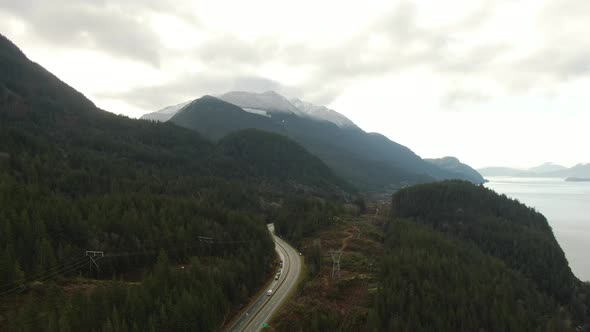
{"x": 322, "y": 113}
{"x": 265, "y": 104}
{"x": 256, "y": 111}
{"x": 269, "y": 101}
{"x": 166, "y": 113}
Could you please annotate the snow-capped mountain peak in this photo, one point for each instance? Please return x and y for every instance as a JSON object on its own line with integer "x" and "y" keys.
{"x": 322, "y": 113}
{"x": 268, "y": 101}
{"x": 166, "y": 113}
{"x": 265, "y": 104}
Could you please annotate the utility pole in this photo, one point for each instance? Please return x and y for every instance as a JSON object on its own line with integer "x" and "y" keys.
{"x": 92, "y": 254}
{"x": 336, "y": 254}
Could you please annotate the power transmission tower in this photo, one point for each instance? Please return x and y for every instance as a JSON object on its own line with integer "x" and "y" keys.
{"x": 207, "y": 241}
{"x": 204, "y": 239}
{"x": 336, "y": 254}
{"x": 92, "y": 254}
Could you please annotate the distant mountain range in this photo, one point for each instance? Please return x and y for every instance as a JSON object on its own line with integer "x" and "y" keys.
{"x": 370, "y": 161}
{"x": 546, "y": 170}
{"x": 575, "y": 179}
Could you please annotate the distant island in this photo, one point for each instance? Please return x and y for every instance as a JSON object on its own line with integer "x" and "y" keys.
{"x": 547, "y": 170}
{"x": 576, "y": 179}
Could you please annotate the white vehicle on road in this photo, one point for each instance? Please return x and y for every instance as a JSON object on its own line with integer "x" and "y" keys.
{"x": 262, "y": 309}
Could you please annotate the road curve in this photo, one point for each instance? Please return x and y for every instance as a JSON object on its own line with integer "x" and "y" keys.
{"x": 261, "y": 309}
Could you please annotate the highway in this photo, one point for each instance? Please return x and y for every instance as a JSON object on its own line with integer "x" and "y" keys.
{"x": 261, "y": 309}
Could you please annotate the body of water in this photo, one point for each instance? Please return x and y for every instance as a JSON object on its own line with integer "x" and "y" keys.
{"x": 566, "y": 205}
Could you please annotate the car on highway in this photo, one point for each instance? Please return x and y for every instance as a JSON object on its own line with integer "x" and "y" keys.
{"x": 269, "y": 292}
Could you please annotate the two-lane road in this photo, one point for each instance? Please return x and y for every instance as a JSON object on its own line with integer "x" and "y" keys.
{"x": 261, "y": 310}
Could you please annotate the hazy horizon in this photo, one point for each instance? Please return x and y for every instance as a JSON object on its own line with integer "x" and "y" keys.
{"x": 531, "y": 166}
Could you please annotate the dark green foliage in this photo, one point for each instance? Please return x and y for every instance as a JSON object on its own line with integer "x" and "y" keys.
{"x": 75, "y": 178}
{"x": 432, "y": 283}
{"x": 25, "y": 87}
{"x": 191, "y": 297}
{"x": 276, "y": 156}
{"x": 462, "y": 258}
{"x": 499, "y": 226}
{"x": 215, "y": 118}
{"x": 314, "y": 258}
{"x": 369, "y": 161}
{"x": 301, "y": 216}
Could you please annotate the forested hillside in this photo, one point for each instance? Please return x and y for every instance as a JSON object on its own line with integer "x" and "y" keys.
{"x": 432, "y": 283}
{"x": 214, "y": 118}
{"x": 277, "y": 157}
{"x": 453, "y": 165}
{"x": 302, "y": 216}
{"x": 75, "y": 178}
{"x": 461, "y": 258}
{"x": 369, "y": 161}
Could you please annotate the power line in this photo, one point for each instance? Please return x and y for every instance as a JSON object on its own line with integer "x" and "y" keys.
{"x": 57, "y": 267}
{"x": 92, "y": 257}
{"x": 45, "y": 275}
{"x": 84, "y": 259}
{"x": 188, "y": 245}
{"x": 25, "y": 285}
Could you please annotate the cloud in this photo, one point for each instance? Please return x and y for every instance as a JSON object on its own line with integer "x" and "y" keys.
{"x": 117, "y": 28}
{"x": 392, "y": 44}
{"x": 261, "y": 84}
{"x": 477, "y": 50}
{"x": 459, "y": 98}
{"x": 230, "y": 50}
{"x": 464, "y": 52}
{"x": 183, "y": 88}
{"x": 565, "y": 51}
{"x": 194, "y": 85}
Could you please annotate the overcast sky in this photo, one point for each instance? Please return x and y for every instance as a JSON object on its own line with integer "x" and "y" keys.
{"x": 490, "y": 82}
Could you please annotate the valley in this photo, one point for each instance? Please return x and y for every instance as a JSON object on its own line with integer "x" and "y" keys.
{"x": 369, "y": 161}
{"x": 174, "y": 222}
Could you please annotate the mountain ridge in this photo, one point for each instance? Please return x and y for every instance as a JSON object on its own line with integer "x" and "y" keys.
{"x": 209, "y": 108}
{"x": 371, "y": 161}
{"x": 269, "y": 101}
{"x": 544, "y": 170}
{"x": 266, "y": 104}
{"x": 323, "y": 113}
{"x": 453, "y": 164}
